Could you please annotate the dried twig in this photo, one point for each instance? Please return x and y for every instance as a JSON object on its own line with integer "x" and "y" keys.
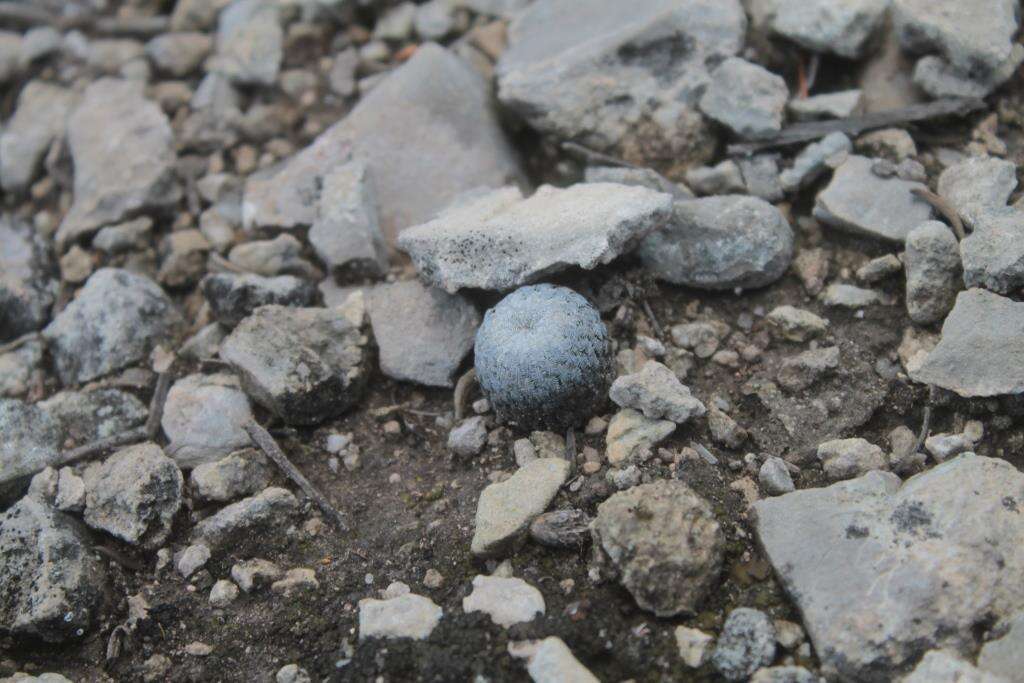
{"x": 855, "y": 125}
{"x": 157, "y": 403}
{"x": 653, "y": 318}
{"x": 925, "y": 420}
{"x": 266, "y": 443}
{"x": 590, "y": 155}
{"x": 943, "y": 207}
{"x": 462, "y": 391}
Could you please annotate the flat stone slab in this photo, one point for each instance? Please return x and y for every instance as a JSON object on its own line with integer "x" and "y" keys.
{"x": 980, "y": 349}
{"x": 500, "y": 240}
{"x": 882, "y": 573}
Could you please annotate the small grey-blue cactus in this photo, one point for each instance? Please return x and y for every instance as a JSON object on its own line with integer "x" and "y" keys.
{"x": 543, "y": 358}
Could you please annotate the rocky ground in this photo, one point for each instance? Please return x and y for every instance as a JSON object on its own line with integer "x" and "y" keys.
{"x": 736, "y": 282}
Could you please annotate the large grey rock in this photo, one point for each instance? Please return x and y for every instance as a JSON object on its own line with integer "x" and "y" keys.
{"x": 204, "y": 418}
{"x": 427, "y": 133}
{"x": 27, "y": 286}
{"x": 234, "y": 296}
{"x": 117, "y": 319}
{"x": 50, "y": 583}
{"x": 41, "y": 118}
{"x": 982, "y": 340}
{"x": 620, "y": 78}
{"x": 843, "y": 28}
{"x": 303, "y": 364}
{"x": 505, "y": 509}
{"x": 134, "y": 495}
{"x": 968, "y": 43}
{"x": 250, "y": 42}
{"x": 746, "y": 98}
{"x": 882, "y": 573}
{"x": 976, "y": 185}
{"x": 423, "y": 333}
{"x": 932, "y": 261}
{"x": 663, "y": 543}
{"x": 501, "y": 241}
{"x": 859, "y": 201}
{"x": 346, "y": 233}
{"x": 993, "y": 255}
{"x": 720, "y": 243}
{"x": 31, "y": 441}
{"x": 86, "y": 416}
{"x": 747, "y": 643}
{"x": 256, "y": 514}
{"x": 123, "y": 149}
{"x": 657, "y": 393}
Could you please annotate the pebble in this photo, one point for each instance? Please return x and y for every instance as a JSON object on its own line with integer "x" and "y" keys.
{"x": 233, "y": 297}
{"x": 631, "y": 437}
{"x": 849, "y": 458}
{"x": 724, "y": 178}
{"x": 203, "y": 418}
{"x": 880, "y": 268}
{"x": 254, "y": 573}
{"x": 833, "y": 105}
{"x": 746, "y": 644}
{"x": 191, "y": 559}
{"x": 292, "y": 673}
{"x": 934, "y": 272}
{"x": 694, "y": 645}
{"x": 850, "y": 296}
{"x": 469, "y": 437}
{"x": 32, "y": 441}
{"x": 40, "y": 119}
{"x": 250, "y": 42}
{"x": 551, "y": 661}
{"x": 270, "y": 507}
{"x": 774, "y": 477}
{"x": 179, "y": 54}
{"x": 725, "y": 431}
{"x": 346, "y": 232}
{"x": 507, "y": 601}
{"x": 279, "y": 256}
{"x": 656, "y": 392}
{"x": 828, "y": 153}
{"x": 569, "y": 528}
{"x": 746, "y": 98}
{"x": 977, "y": 185}
{"x": 406, "y": 615}
{"x": 796, "y": 324}
{"x": 240, "y": 474}
{"x": 992, "y": 254}
{"x": 70, "y": 496}
{"x": 223, "y": 593}
{"x": 295, "y": 579}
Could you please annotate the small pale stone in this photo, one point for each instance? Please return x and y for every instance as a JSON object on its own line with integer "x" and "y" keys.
{"x": 507, "y": 601}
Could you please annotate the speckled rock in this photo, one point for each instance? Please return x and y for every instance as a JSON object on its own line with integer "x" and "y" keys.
{"x": 32, "y": 441}
{"x": 746, "y": 644}
{"x": 271, "y": 507}
{"x": 27, "y": 285}
{"x": 240, "y": 474}
{"x": 86, "y": 416}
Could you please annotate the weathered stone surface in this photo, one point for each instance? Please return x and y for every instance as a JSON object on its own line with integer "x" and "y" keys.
{"x": 982, "y": 338}
{"x": 346, "y": 233}
{"x": 799, "y": 372}
{"x": 233, "y": 297}
{"x": 829, "y": 152}
{"x": 833, "y": 105}
{"x": 423, "y": 333}
{"x": 469, "y": 437}
{"x": 254, "y": 573}
{"x": 796, "y": 324}
{"x": 617, "y": 78}
{"x": 746, "y": 644}
{"x": 506, "y": 509}
{"x": 86, "y": 416}
{"x": 723, "y": 178}
{"x": 50, "y": 583}
{"x": 406, "y": 615}
{"x": 694, "y": 646}
{"x": 203, "y": 418}
{"x": 123, "y": 149}
{"x": 1004, "y": 656}
{"x": 746, "y": 98}
{"x": 774, "y": 477}
{"x": 843, "y": 28}
{"x": 849, "y": 458}
{"x": 279, "y": 256}
{"x": 41, "y": 118}
{"x": 720, "y": 243}
{"x": 179, "y": 54}
{"x": 657, "y": 393}
{"x": 31, "y": 442}
{"x": 134, "y": 495}
{"x": 250, "y": 515}
{"x": 116, "y": 320}
{"x": 250, "y": 42}
{"x": 631, "y": 436}
{"x": 944, "y": 666}
{"x": 27, "y": 286}
{"x": 859, "y": 201}
{"x": 663, "y": 543}
{"x": 644, "y": 177}
{"x": 978, "y": 184}
{"x": 993, "y": 255}
{"x": 850, "y": 296}
{"x": 240, "y": 474}
{"x": 919, "y": 565}
{"x": 427, "y": 133}
{"x": 19, "y": 367}
{"x": 501, "y": 241}
{"x": 932, "y": 261}
{"x": 507, "y": 601}
{"x": 303, "y": 364}
{"x": 551, "y": 661}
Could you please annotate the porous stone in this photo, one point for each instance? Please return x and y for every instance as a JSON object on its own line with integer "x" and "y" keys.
{"x": 433, "y": 108}
{"x": 233, "y": 297}
{"x": 828, "y": 153}
{"x": 993, "y": 255}
{"x": 663, "y": 543}
{"x": 404, "y": 616}
{"x": 250, "y": 515}
{"x": 250, "y": 42}
{"x": 746, "y": 98}
{"x": 123, "y": 152}
{"x": 746, "y": 644}
{"x": 346, "y": 233}
{"x": 859, "y": 201}
{"x": 849, "y": 458}
{"x": 796, "y": 324}
{"x": 656, "y": 392}
{"x": 618, "y": 79}
{"x": 631, "y": 436}
{"x": 879, "y": 541}
{"x": 27, "y": 285}
{"x": 543, "y": 358}
{"x": 977, "y": 184}
{"x": 32, "y": 441}
{"x": 500, "y": 240}
{"x": 507, "y": 601}
{"x": 423, "y": 333}
{"x": 506, "y": 509}
{"x": 845, "y": 29}
{"x": 134, "y": 495}
{"x": 719, "y": 243}
{"x": 203, "y": 418}
{"x": 41, "y": 118}
{"x": 303, "y": 364}
{"x": 50, "y": 582}
{"x": 932, "y": 261}
{"x": 981, "y": 340}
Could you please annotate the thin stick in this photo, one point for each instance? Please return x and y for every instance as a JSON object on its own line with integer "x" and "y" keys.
{"x": 262, "y": 438}
{"x": 88, "y": 450}
{"x": 157, "y": 403}
{"x": 653, "y": 318}
{"x": 943, "y": 207}
{"x": 462, "y": 390}
{"x": 587, "y": 154}
{"x": 926, "y": 420}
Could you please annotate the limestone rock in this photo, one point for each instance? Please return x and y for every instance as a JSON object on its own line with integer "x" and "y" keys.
{"x": 657, "y": 393}
{"x": 507, "y": 601}
{"x": 404, "y": 616}
{"x": 203, "y": 418}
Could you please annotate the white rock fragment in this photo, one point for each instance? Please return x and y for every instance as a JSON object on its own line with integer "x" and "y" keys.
{"x": 507, "y": 601}
{"x": 403, "y": 616}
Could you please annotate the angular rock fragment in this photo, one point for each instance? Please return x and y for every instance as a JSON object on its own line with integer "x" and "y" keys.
{"x": 644, "y": 177}
{"x": 203, "y": 419}
{"x": 240, "y": 474}
{"x": 500, "y": 241}
{"x": 248, "y": 516}
{"x": 833, "y": 105}
{"x": 254, "y": 573}
{"x": 41, "y": 118}
{"x": 233, "y": 297}
{"x": 279, "y": 256}
{"x": 829, "y": 152}
{"x": 746, "y": 98}
{"x": 250, "y": 42}
{"x": 844, "y": 28}
{"x": 617, "y": 78}
{"x": 663, "y": 542}
{"x": 31, "y": 442}
{"x": 507, "y": 601}
{"x": 423, "y": 333}
{"x": 880, "y": 541}
{"x": 804, "y": 369}
{"x": 933, "y": 272}
{"x": 86, "y": 416}
{"x": 50, "y": 582}
{"x": 123, "y": 149}
{"x": 796, "y": 324}
{"x": 179, "y": 54}
{"x": 720, "y": 243}
{"x": 303, "y": 364}
{"x": 434, "y": 107}
{"x": 944, "y": 666}
{"x": 27, "y": 286}
{"x": 468, "y": 438}
{"x": 405, "y": 615}
{"x": 993, "y": 255}
{"x": 982, "y": 340}
{"x": 849, "y": 458}
{"x": 850, "y": 296}
{"x": 977, "y": 185}
{"x": 551, "y": 661}
{"x": 19, "y": 367}
{"x": 346, "y": 233}
{"x": 746, "y": 644}
{"x": 859, "y": 201}
{"x": 657, "y": 393}
{"x": 631, "y": 436}
{"x": 116, "y": 320}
